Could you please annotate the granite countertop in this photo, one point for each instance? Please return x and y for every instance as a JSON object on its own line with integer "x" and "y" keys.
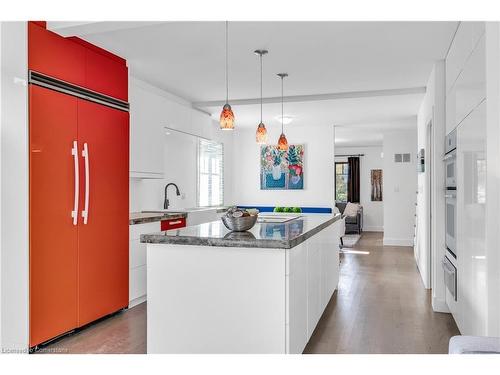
{"x": 262, "y": 235}
{"x": 149, "y": 217}
{"x": 158, "y": 215}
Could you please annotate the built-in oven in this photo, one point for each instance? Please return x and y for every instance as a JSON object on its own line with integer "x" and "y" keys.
{"x": 451, "y": 221}
{"x": 450, "y": 160}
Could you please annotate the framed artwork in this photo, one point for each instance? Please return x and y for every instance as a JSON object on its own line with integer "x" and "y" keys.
{"x": 376, "y": 179}
{"x": 282, "y": 170}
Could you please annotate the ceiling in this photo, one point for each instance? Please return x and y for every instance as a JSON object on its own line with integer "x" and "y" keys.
{"x": 370, "y": 134}
{"x": 187, "y": 59}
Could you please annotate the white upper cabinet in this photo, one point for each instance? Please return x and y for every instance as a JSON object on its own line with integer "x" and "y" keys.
{"x": 201, "y": 124}
{"x": 178, "y": 117}
{"x": 464, "y": 42}
{"x": 147, "y": 115}
{"x": 469, "y": 88}
{"x": 151, "y": 111}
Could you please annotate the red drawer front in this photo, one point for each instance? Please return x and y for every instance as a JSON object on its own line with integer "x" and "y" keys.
{"x": 173, "y": 224}
{"x": 55, "y": 56}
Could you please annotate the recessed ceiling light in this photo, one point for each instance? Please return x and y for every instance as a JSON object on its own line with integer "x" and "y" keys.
{"x": 286, "y": 119}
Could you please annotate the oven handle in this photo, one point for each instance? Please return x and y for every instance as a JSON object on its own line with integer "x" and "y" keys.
{"x": 446, "y": 267}
{"x": 450, "y": 155}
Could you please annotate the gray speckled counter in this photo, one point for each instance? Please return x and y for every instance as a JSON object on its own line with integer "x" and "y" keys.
{"x": 150, "y": 217}
{"x": 263, "y": 235}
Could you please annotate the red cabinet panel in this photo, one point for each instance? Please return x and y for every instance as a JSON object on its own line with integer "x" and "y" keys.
{"x": 173, "y": 224}
{"x": 55, "y": 56}
{"x": 76, "y": 61}
{"x": 106, "y": 75}
{"x": 103, "y": 242}
{"x": 53, "y": 236}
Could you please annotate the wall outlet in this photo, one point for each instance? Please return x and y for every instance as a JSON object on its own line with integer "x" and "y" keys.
{"x": 183, "y": 196}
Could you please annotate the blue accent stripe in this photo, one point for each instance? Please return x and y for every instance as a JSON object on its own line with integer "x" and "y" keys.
{"x": 305, "y": 210}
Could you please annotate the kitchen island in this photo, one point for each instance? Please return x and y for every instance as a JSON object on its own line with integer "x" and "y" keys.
{"x": 211, "y": 290}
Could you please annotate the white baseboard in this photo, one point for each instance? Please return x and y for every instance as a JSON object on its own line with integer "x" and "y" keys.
{"x": 373, "y": 229}
{"x": 439, "y": 305}
{"x": 398, "y": 241}
{"x": 137, "y": 301}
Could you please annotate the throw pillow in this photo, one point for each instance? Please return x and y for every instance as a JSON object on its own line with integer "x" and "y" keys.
{"x": 351, "y": 209}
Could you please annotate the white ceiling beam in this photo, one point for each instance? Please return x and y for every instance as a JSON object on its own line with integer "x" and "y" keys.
{"x": 316, "y": 97}
{"x": 87, "y": 28}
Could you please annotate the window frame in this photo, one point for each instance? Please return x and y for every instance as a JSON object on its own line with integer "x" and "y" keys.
{"x": 335, "y": 179}
{"x": 210, "y": 174}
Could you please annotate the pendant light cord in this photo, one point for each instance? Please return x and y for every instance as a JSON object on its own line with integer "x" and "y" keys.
{"x": 261, "y": 88}
{"x": 227, "y": 64}
{"x": 282, "y": 105}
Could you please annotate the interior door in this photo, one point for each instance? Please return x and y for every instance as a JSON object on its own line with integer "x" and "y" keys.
{"x": 103, "y": 134}
{"x": 53, "y": 232}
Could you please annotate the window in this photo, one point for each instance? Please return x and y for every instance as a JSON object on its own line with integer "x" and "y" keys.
{"x": 210, "y": 173}
{"x": 341, "y": 176}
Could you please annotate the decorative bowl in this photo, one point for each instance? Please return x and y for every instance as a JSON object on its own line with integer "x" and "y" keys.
{"x": 239, "y": 224}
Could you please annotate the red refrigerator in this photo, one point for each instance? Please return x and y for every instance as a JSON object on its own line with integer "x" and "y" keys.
{"x": 79, "y": 199}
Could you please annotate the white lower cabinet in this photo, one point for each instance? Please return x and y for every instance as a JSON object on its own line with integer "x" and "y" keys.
{"x": 310, "y": 288}
{"x": 137, "y": 261}
{"x": 471, "y": 223}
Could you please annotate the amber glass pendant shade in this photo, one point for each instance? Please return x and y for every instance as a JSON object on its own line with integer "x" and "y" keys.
{"x": 282, "y": 143}
{"x": 261, "y": 134}
{"x": 227, "y": 118}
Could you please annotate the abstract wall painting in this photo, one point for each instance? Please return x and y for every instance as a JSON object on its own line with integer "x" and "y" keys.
{"x": 376, "y": 179}
{"x": 282, "y": 170}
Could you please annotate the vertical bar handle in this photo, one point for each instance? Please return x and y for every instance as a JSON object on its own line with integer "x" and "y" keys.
{"x": 74, "y": 213}
{"x": 85, "y": 154}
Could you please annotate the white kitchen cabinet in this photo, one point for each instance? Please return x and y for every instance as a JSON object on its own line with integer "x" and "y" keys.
{"x": 297, "y": 291}
{"x": 137, "y": 285}
{"x": 313, "y": 287}
{"x": 471, "y": 223}
{"x": 469, "y": 89}
{"x": 147, "y": 116}
{"x": 464, "y": 42}
{"x": 201, "y": 124}
{"x": 178, "y": 117}
{"x": 137, "y": 261}
{"x": 310, "y": 288}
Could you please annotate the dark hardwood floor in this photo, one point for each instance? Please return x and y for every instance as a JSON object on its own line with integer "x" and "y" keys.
{"x": 380, "y": 307}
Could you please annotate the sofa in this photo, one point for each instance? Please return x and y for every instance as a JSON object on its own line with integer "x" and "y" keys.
{"x": 352, "y": 224}
{"x": 474, "y": 345}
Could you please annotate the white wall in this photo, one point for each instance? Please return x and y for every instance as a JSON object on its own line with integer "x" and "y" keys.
{"x": 318, "y": 168}
{"x": 14, "y": 193}
{"x": 431, "y": 248}
{"x": 373, "y": 212}
{"x": 400, "y": 185}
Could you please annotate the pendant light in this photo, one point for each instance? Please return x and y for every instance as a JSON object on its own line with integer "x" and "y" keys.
{"x": 261, "y": 133}
{"x": 227, "y": 115}
{"x": 282, "y": 142}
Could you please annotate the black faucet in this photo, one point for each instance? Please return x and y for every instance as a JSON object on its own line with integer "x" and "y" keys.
{"x": 166, "y": 202}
